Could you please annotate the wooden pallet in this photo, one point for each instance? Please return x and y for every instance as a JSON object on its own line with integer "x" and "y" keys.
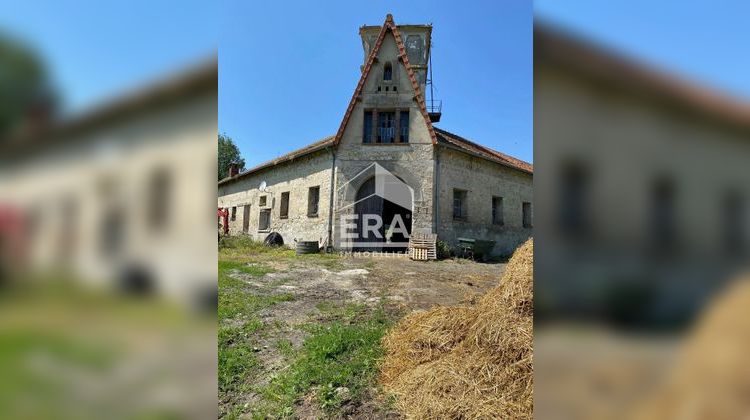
{"x": 422, "y": 246}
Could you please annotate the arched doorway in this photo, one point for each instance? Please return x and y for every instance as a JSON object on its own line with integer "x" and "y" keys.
{"x": 382, "y": 225}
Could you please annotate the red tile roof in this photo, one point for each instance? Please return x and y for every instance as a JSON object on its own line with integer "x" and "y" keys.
{"x": 444, "y": 138}
{"x": 200, "y": 78}
{"x": 388, "y": 25}
{"x": 557, "y": 48}
{"x": 458, "y": 142}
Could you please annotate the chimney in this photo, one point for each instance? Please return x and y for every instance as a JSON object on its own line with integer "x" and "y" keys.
{"x": 234, "y": 169}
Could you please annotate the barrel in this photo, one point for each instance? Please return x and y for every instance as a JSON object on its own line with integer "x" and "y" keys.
{"x": 307, "y": 247}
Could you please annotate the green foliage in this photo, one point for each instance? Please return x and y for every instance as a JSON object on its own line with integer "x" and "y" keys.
{"x": 342, "y": 348}
{"x": 340, "y": 354}
{"x": 244, "y": 242}
{"x": 24, "y": 85}
{"x": 239, "y": 324}
{"x": 253, "y": 270}
{"x": 235, "y": 362}
{"x": 443, "y": 250}
{"x": 228, "y": 153}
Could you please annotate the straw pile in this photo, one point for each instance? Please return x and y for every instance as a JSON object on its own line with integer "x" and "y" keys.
{"x": 711, "y": 378}
{"x": 468, "y": 362}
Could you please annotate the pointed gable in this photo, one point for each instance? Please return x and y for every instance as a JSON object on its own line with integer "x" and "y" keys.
{"x": 388, "y": 25}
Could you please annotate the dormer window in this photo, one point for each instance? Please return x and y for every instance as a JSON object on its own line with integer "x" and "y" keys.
{"x": 387, "y": 72}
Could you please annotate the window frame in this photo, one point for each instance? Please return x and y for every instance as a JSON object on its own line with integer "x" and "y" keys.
{"x": 387, "y": 71}
{"x": 527, "y": 220}
{"x": 498, "y": 221}
{"x": 463, "y": 195}
{"x": 367, "y": 132}
{"x": 284, "y": 205}
{"x": 310, "y": 190}
{"x": 260, "y": 220}
{"x": 159, "y": 199}
{"x": 384, "y": 120}
{"x": 403, "y": 114}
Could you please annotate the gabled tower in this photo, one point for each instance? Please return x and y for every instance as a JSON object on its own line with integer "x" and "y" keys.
{"x": 417, "y": 40}
{"x": 391, "y": 86}
{"x": 387, "y": 123}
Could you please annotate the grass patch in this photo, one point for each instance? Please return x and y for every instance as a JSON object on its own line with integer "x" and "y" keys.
{"x": 240, "y": 246}
{"x": 240, "y": 326}
{"x": 341, "y": 353}
{"x": 346, "y": 312}
{"x": 235, "y": 364}
{"x": 253, "y": 270}
{"x": 285, "y": 347}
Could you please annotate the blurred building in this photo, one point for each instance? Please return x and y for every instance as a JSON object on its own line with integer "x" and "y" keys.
{"x": 121, "y": 196}
{"x": 641, "y": 187}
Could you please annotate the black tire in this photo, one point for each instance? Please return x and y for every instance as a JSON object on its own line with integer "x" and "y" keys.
{"x": 274, "y": 239}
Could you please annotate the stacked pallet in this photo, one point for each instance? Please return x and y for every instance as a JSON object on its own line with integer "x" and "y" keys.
{"x": 422, "y": 246}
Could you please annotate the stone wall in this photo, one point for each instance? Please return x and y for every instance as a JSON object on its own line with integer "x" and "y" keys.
{"x": 295, "y": 177}
{"x": 482, "y": 180}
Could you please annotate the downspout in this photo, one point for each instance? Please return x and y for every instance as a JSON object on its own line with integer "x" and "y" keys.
{"x": 330, "y": 200}
{"x": 436, "y": 193}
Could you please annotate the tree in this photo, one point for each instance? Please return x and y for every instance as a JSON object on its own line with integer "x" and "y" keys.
{"x": 25, "y": 88}
{"x": 228, "y": 153}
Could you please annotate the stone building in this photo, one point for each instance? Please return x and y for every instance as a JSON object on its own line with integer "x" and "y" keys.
{"x": 456, "y": 188}
{"x": 642, "y": 183}
{"x": 122, "y": 195}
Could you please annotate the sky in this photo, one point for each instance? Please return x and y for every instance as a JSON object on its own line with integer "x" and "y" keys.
{"x": 287, "y": 71}
{"x": 96, "y": 49}
{"x": 707, "y": 42}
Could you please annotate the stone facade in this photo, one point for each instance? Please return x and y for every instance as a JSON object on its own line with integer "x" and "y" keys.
{"x": 482, "y": 180}
{"x": 412, "y": 161}
{"x": 296, "y": 178}
{"x": 426, "y": 167}
{"x": 127, "y": 193}
{"x": 655, "y": 178}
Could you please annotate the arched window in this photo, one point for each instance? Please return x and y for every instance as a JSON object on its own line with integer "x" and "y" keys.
{"x": 387, "y": 71}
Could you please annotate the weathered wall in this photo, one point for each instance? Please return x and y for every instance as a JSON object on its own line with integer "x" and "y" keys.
{"x": 482, "y": 180}
{"x": 625, "y": 143}
{"x": 97, "y": 184}
{"x": 295, "y": 177}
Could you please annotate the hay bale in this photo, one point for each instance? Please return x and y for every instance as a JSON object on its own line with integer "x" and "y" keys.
{"x": 711, "y": 377}
{"x": 468, "y": 361}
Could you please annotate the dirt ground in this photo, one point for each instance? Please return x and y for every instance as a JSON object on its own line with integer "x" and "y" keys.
{"x": 398, "y": 284}
{"x": 585, "y": 372}
{"x": 413, "y": 284}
